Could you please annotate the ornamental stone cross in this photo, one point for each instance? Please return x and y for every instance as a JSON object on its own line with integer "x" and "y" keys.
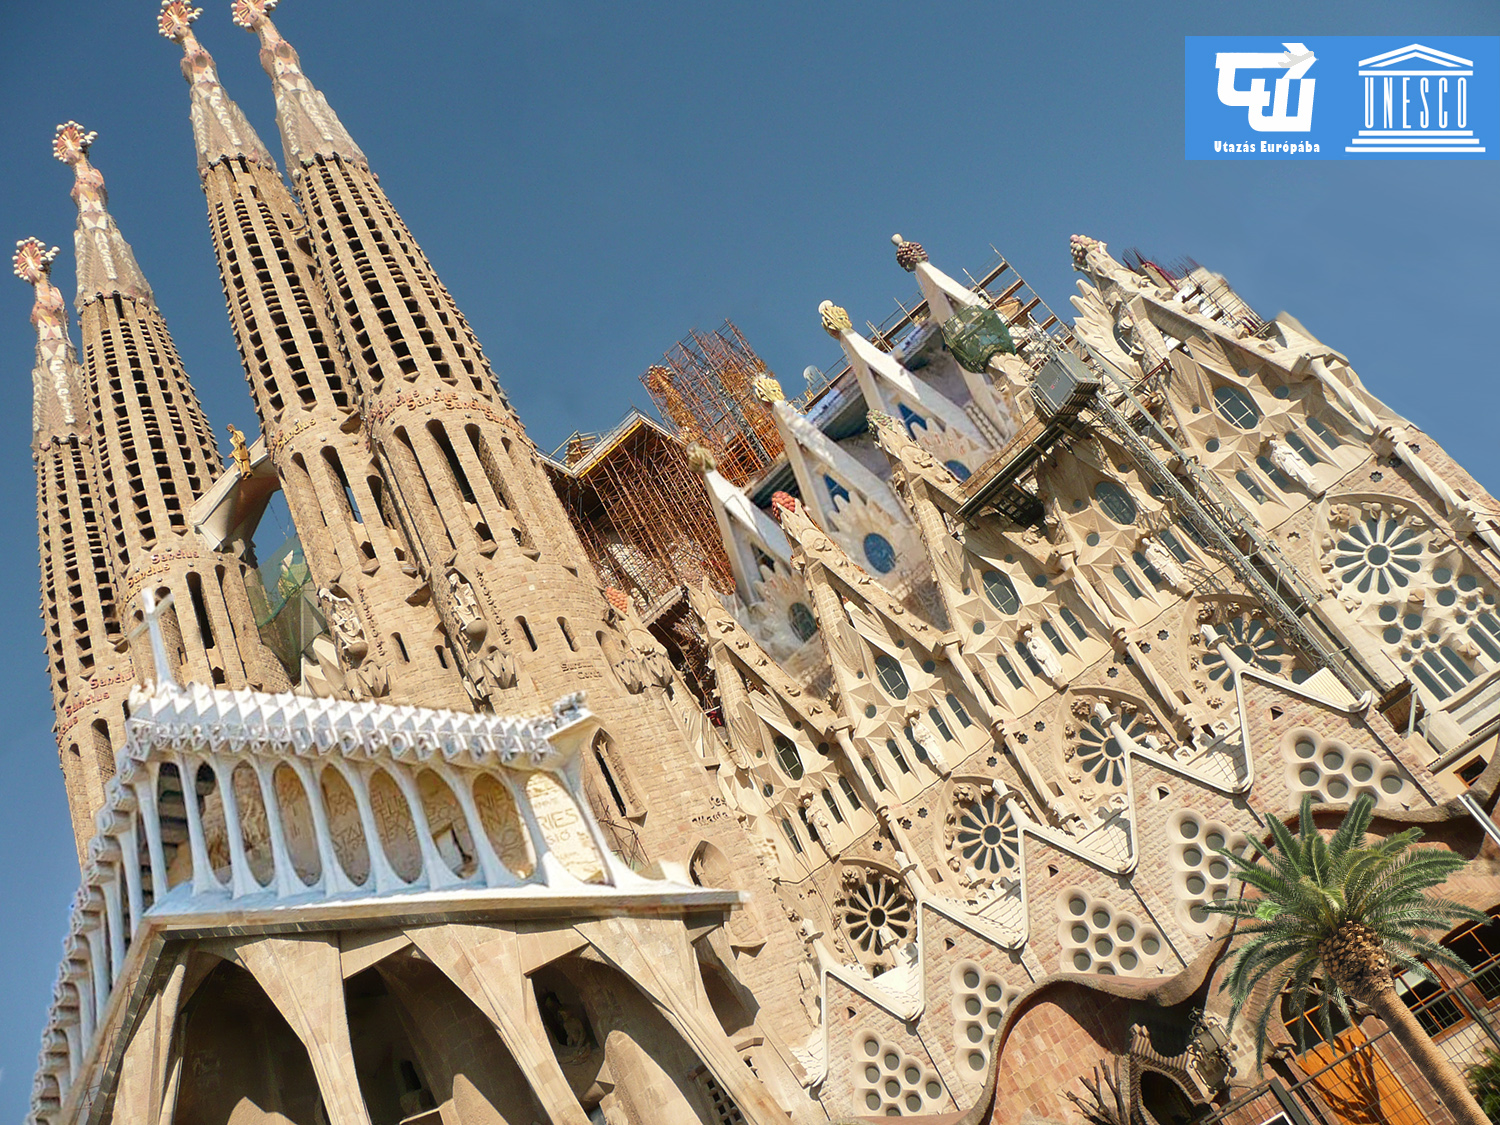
{"x": 152, "y": 610}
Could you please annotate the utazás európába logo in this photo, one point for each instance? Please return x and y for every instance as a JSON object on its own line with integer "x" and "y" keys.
{"x": 1347, "y": 97}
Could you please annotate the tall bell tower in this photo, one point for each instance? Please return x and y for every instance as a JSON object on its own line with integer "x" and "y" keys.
{"x": 355, "y": 549}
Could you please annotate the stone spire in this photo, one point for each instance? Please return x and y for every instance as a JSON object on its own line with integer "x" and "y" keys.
{"x": 381, "y": 645}
{"x": 105, "y": 263}
{"x": 522, "y": 610}
{"x": 220, "y": 130}
{"x": 309, "y": 129}
{"x": 79, "y": 611}
{"x": 58, "y": 393}
{"x": 156, "y": 456}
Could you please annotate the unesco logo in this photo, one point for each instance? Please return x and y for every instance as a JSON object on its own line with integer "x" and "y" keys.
{"x": 1416, "y": 100}
{"x": 1347, "y": 97}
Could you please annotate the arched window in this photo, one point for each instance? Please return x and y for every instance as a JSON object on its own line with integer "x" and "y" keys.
{"x": 802, "y": 621}
{"x": 1325, "y": 435}
{"x": 1073, "y": 623}
{"x": 1010, "y": 671}
{"x": 791, "y": 834}
{"x": 879, "y": 552}
{"x": 1122, "y": 576}
{"x": 833, "y": 807}
{"x": 892, "y": 678}
{"x": 958, "y": 469}
{"x": 1115, "y": 502}
{"x": 786, "y": 754}
{"x": 1236, "y": 407}
{"x": 1247, "y": 482}
{"x": 895, "y": 752}
{"x": 836, "y": 491}
{"x": 1000, "y": 591}
{"x": 937, "y": 720}
{"x": 958, "y": 710}
{"x": 847, "y": 788}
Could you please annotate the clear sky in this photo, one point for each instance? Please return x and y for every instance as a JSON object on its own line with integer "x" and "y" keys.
{"x": 592, "y": 180}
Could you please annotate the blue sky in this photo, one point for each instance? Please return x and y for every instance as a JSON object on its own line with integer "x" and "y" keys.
{"x": 592, "y": 180}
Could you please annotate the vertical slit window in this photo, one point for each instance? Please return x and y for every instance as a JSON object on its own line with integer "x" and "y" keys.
{"x": 847, "y": 788}
{"x": 525, "y": 628}
{"x": 896, "y": 756}
{"x": 873, "y": 772}
{"x": 200, "y": 610}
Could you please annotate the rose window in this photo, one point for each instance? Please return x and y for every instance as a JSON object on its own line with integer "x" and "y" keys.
{"x": 987, "y": 836}
{"x": 1100, "y": 752}
{"x": 877, "y": 914}
{"x": 1378, "y": 556}
{"x": 1255, "y": 643}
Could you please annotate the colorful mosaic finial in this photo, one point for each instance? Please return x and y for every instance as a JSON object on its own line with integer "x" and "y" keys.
{"x": 310, "y": 130}
{"x": 220, "y": 129}
{"x": 1080, "y": 245}
{"x": 619, "y": 599}
{"x": 105, "y": 264}
{"x": 835, "y": 320}
{"x": 175, "y": 21}
{"x": 908, "y": 254}
{"x": 32, "y": 261}
{"x": 783, "y": 502}
{"x": 249, "y": 13}
{"x": 72, "y": 142}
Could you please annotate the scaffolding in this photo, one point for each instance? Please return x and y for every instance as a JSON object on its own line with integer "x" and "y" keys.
{"x": 706, "y": 391}
{"x": 642, "y": 512}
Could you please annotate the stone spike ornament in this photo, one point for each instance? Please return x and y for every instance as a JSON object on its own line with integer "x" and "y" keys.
{"x": 105, "y": 263}
{"x": 57, "y": 384}
{"x": 220, "y": 129}
{"x": 309, "y": 128}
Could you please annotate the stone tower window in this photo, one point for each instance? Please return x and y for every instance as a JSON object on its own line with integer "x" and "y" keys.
{"x": 892, "y": 678}
{"x": 1115, "y": 502}
{"x": 802, "y": 621}
{"x": 1236, "y": 407}
{"x": 786, "y": 754}
{"x": 1000, "y": 591}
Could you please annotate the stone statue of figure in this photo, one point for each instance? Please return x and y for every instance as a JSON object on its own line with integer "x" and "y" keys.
{"x": 344, "y": 622}
{"x": 1045, "y": 658}
{"x": 822, "y": 826}
{"x": 1290, "y": 462}
{"x": 928, "y": 742}
{"x": 1164, "y": 563}
{"x": 466, "y": 606}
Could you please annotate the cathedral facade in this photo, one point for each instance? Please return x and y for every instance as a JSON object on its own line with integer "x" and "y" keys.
{"x": 904, "y": 800}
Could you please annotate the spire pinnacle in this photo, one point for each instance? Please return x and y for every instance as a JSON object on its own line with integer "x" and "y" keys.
{"x": 309, "y": 128}
{"x": 105, "y": 263}
{"x": 220, "y": 129}
{"x": 56, "y": 373}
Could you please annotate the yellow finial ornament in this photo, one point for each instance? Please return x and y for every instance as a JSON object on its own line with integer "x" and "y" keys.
{"x": 768, "y": 390}
{"x": 835, "y": 320}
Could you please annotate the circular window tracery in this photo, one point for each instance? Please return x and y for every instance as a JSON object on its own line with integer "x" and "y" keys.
{"x": 1001, "y": 591}
{"x": 1255, "y": 643}
{"x": 1099, "y": 752}
{"x": 877, "y": 914}
{"x": 987, "y": 836}
{"x": 1377, "y": 556}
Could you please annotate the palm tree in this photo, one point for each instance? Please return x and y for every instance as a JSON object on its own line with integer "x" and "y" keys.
{"x": 1348, "y": 913}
